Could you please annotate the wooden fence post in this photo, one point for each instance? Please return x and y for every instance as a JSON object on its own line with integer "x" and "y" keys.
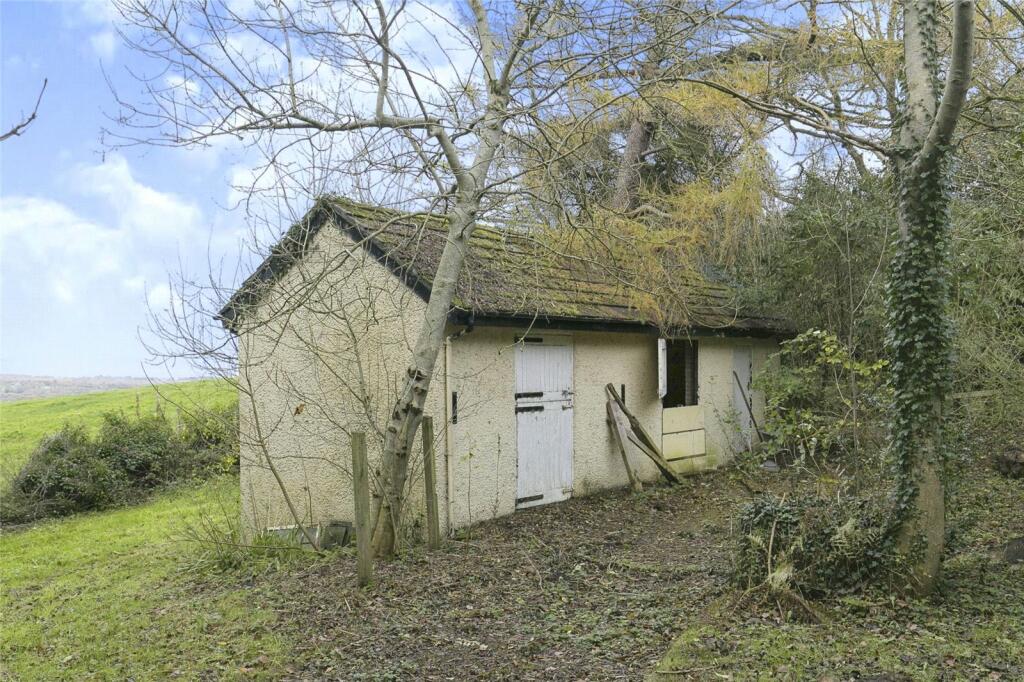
{"x": 430, "y": 481}
{"x": 361, "y": 490}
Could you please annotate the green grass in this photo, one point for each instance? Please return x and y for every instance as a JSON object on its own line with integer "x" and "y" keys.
{"x": 114, "y": 595}
{"x": 24, "y": 423}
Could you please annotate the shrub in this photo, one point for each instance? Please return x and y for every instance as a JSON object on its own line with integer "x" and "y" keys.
{"x": 212, "y": 435}
{"x": 222, "y": 546}
{"x": 70, "y": 471}
{"x": 816, "y": 546}
{"x": 821, "y": 401}
{"x": 146, "y": 449}
{"x": 64, "y": 475}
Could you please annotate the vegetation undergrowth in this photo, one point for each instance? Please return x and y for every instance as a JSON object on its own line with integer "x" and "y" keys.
{"x": 220, "y": 548}
{"x": 23, "y": 423}
{"x": 125, "y": 458}
{"x": 972, "y": 628}
{"x": 837, "y": 535}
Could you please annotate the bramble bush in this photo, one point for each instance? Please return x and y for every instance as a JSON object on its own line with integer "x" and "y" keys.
{"x": 130, "y": 456}
{"x": 826, "y": 412}
{"x": 816, "y": 546}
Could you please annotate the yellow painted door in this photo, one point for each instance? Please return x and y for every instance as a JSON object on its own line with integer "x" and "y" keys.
{"x": 683, "y": 440}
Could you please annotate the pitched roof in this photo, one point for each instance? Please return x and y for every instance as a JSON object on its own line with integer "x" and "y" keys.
{"x": 511, "y": 276}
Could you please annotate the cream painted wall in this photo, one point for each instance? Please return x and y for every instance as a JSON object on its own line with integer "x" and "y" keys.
{"x": 715, "y": 387}
{"x": 307, "y": 367}
{"x": 306, "y": 370}
{"x": 482, "y": 457}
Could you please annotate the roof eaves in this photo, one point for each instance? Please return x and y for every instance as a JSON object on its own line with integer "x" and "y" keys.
{"x": 409, "y": 275}
{"x": 293, "y": 246}
{"x": 285, "y": 253}
{"x": 748, "y": 328}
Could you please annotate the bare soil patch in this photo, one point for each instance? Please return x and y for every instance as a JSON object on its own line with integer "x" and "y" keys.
{"x": 595, "y": 588}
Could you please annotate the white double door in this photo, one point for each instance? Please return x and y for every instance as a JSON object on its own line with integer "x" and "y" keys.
{"x": 544, "y": 407}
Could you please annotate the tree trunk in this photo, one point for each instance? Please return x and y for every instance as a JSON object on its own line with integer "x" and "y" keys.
{"x": 408, "y": 410}
{"x": 638, "y": 141}
{"x": 919, "y": 332}
{"x": 919, "y": 340}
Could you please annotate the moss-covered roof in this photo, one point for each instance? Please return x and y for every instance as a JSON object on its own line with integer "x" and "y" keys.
{"x": 510, "y": 275}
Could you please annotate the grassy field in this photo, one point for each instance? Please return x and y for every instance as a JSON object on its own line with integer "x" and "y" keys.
{"x": 24, "y": 422}
{"x": 114, "y": 595}
{"x": 111, "y": 596}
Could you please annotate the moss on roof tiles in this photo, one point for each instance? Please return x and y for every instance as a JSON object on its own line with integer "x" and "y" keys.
{"x": 509, "y": 273}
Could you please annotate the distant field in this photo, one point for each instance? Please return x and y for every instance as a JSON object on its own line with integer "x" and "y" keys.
{"x": 24, "y": 423}
{"x": 27, "y": 387}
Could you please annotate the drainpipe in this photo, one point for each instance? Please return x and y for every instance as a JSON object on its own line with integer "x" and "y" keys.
{"x": 448, "y": 436}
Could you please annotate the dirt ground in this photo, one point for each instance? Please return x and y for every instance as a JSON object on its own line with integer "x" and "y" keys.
{"x": 595, "y": 588}
{"x": 605, "y": 587}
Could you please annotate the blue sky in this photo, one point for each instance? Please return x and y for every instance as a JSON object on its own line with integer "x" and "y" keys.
{"x": 89, "y": 233}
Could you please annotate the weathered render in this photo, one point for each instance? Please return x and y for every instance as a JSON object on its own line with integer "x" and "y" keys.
{"x": 324, "y": 329}
{"x": 481, "y": 446}
{"x": 313, "y": 372}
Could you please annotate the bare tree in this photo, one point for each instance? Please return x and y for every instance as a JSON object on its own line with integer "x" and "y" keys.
{"x": 338, "y": 97}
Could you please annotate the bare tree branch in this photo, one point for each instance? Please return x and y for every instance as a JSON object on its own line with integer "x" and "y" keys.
{"x": 19, "y": 128}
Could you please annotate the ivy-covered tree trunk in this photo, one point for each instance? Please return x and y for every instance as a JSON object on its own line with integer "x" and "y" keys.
{"x": 919, "y": 331}
{"x": 919, "y": 346}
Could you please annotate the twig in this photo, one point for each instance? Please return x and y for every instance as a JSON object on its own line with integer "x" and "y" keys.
{"x": 20, "y": 127}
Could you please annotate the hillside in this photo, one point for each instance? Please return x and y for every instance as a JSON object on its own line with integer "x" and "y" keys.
{"x": 24, "y": 423}
{"x": 28, "y": 387}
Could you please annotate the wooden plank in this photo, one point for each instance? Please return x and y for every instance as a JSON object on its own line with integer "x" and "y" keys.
{"x": 747, "y": 404}
{"x": 688, "y": 418}
{"x": 683, "y": 444}
{"x": 619, "y": 430}
{"x": 638, "y": 436}
{"x": 430, "y": 481}
{"x": 361, "y": 490}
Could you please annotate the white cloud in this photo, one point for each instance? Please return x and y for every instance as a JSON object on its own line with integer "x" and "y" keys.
{"x": 50, "y": 242}
{"x": 63, "y": 290}
{"x": 160, "y": 297}
{"x": 135, "y": 284}
{"x": 191, "y": 87}
{"x": 98, "y": 17}
{"x": 98, "y": 11}
{"x": 123, "y": 246}
{"x": 104, "y": 44}
{"x": 138, "y": 209}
